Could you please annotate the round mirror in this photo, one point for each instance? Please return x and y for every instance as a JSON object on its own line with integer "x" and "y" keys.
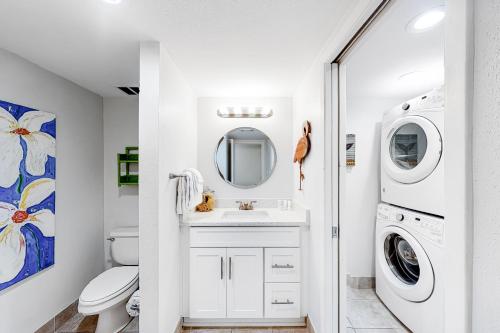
{"x": 245, "y": 157}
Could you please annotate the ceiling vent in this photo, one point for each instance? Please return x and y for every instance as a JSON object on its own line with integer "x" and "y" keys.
{"x": 131, "y": 91}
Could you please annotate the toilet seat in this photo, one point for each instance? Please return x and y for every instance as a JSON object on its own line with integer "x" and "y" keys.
{"x": 109, "y": 285}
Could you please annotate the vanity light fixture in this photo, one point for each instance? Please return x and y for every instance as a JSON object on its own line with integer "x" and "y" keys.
{"x": 426, "y": 20}
{"x": 244, "y": 112}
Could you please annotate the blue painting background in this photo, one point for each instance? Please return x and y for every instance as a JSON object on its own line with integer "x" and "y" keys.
{"x": 39, "y": 249}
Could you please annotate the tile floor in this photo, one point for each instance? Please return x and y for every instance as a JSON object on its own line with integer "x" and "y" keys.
{"x": 81, "y": 324}
{"x": 367, "y": 314}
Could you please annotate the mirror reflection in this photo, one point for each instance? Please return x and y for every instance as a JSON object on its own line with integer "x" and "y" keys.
{"x": 245, "y": 157}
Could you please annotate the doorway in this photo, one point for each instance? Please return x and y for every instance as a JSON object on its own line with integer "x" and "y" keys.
{"x": 391, "y": 62}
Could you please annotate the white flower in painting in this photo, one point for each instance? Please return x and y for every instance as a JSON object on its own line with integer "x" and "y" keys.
{"x": 12, "y": 218}
{"x": 39, "y": 144}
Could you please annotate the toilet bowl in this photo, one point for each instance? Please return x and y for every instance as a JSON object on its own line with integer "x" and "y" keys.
{"x": 107, "y": 294}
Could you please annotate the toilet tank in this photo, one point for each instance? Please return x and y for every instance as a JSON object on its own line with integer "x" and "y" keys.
{"x": 125, "y": 245}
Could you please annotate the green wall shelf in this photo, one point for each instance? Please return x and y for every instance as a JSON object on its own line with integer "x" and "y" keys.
{"x": 130, "y": 157}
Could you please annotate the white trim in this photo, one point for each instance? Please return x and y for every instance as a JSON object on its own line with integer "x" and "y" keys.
{"x": 459, "y": 67}
{"x": 261, "y": 322}
{"x": 342, "y": 175}
{"x": 331, "y": 196}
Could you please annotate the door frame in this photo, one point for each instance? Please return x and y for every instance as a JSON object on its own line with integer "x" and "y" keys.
{"x": 459, "y": 70}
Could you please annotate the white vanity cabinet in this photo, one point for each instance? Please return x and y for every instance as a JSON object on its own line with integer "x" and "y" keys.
{"x": 244, "y": 273}
{"x": 245, "y": 283}
{"x": 207, "y": 283}
{"x": 226, "y": 283}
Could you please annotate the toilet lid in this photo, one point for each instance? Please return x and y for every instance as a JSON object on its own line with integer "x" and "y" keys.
{"x": 109, "y": 283}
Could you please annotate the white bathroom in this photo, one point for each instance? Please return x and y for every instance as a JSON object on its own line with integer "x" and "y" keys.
{"x": 241, "y": 167}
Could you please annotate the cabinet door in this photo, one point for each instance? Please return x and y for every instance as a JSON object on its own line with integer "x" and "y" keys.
{"x": 245, "y": 283}
{"x": 207, "y": 283}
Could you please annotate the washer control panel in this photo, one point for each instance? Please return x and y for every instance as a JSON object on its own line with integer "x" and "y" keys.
{"x": 429, "y": 226}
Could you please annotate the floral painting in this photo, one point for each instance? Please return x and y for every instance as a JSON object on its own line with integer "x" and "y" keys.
{"x": 27, "y": 192}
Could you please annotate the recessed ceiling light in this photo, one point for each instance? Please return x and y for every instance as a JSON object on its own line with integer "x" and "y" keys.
{"x": 113, "y": 2}
{"x": 426, "y": 20}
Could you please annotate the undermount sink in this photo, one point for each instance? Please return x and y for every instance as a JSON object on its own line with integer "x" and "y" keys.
{"x": 245, "y": 214}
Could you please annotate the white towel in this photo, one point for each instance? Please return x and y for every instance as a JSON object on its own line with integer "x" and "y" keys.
{"x": 189, "y": 190}
{"x": 134, "y": 304}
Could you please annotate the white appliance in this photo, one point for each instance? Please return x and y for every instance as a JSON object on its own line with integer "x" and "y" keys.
{"x": 107, "y": 294}
{"x": 412, "y": 171}
{"x": 409, "y": 267}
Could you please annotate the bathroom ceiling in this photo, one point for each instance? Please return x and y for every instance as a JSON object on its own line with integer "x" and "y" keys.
{"x": 223, "y": 47}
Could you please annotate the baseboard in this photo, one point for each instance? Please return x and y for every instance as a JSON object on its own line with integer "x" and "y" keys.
{"x": 310, "y": 325}
{"x": 360, "y": 282}
{"x": 180, "y": 324}
{"x": 299, "y": 322}
{"x": 54, "y": 323}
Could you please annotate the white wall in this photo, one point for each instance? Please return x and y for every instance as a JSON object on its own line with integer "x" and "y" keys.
{"x": 364, "y": 116}
{"x": 278, "y": 128}
{"x": 486, "y": 153}
{"x": 167, "y": 141}
{"x": 308, "y": 104}
{"x": 79, "y": 254}
{"x": 121, "y": 127}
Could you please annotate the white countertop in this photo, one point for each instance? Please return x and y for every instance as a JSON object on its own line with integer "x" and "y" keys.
{"x": 285, "y": 218}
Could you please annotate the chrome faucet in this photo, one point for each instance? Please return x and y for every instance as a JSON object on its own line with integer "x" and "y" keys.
{"x": 246, "y": 205}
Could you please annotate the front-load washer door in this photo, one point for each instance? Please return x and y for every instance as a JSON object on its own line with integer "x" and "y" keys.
{"x": 405, "y": 264}
{"x": 411, "y": 150}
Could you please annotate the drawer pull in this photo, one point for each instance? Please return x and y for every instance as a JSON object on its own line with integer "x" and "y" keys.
{"x": 288, "y": 302}
{"x": 282, "y": 266}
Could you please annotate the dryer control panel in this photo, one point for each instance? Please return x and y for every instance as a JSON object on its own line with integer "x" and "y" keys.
{"x": 431, "y": 227}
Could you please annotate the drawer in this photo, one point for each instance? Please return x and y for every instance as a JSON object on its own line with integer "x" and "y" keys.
{"x": 282, "y": 300}
{"x": 244, "y": 237}
{"x": 282, "y": 264}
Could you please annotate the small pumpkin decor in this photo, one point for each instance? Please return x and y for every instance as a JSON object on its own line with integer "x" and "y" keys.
{"x": 302, "y": 150}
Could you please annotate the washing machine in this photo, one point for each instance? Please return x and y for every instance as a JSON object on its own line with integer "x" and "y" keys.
{"x": 409, "y": 267}
{"x": 412, "y": 171}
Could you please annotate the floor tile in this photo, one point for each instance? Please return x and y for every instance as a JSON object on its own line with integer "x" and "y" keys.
{"x": 357, "y": 294}
{"x": 133, "y": 326}
{"x": 210, "y": 330}
{"x": 79, "y": 324}
{"x": 381, "y": 330}
{"x": 252, "y": 330}
{"x": 370, "y": 314}
{"x": 348, "y": 323}
{"x": 290, "y": 330}
{"x": 47, "y": 328}
{"x": 66, "y": 314}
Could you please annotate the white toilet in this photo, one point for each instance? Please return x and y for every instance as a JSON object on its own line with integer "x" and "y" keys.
{"x": 107, "y": 294}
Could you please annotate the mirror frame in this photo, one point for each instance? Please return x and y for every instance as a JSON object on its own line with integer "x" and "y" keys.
{"x": 245, "y": 186}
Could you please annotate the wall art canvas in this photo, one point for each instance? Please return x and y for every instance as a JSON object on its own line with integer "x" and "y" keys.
{"x": 27, "y": 192}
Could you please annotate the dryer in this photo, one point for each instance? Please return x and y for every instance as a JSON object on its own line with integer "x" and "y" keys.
{"x": 412, "y": 172}
{"x": 409, "y": 267}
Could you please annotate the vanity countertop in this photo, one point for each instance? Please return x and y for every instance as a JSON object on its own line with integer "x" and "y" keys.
{"x": 275, "y": 217}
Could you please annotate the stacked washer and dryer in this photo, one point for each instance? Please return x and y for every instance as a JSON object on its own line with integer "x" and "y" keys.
{"x": 410, "y": 221}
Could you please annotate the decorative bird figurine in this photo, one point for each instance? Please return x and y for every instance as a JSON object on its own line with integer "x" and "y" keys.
{"x": 302, "y": 149}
